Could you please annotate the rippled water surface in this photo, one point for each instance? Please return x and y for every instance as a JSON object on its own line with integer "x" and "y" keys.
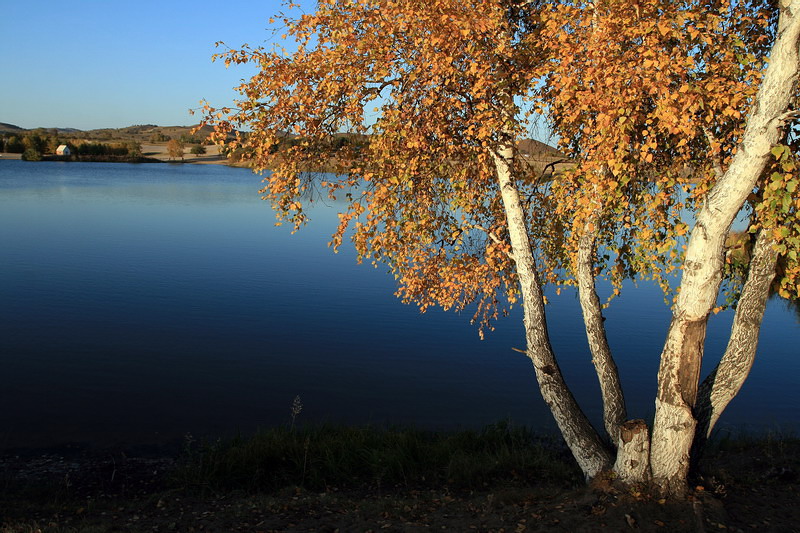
{"x": 139, "y": 303}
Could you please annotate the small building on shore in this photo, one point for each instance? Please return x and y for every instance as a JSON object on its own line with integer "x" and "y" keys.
{"x": 63, "y": 149}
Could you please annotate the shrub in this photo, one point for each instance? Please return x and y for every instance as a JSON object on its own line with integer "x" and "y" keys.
{"x": 31, "y": 155}
{"x": 14, "y": 145}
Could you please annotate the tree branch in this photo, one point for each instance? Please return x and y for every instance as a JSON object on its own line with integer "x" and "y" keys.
{"x": 675, "y": 425}
{"x": 722, "y": 385}
{"x": 614, "y": 411}
{"x": 712, "y": 140}
{"x": 583, "y": 441}
{"x": 492, "y": 236}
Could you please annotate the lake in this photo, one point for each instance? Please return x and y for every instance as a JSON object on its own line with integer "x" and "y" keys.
{"x": 141, "y": 303}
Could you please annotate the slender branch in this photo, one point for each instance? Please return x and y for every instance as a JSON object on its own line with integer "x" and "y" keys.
{"x": 614, "y": 411}
{"x": 583, "y": 441}
{"x": 787, "y": 117}
{"x": 379, "y": 86}
{"x": 712, "y": 140}
{"x": 492, "y": 236}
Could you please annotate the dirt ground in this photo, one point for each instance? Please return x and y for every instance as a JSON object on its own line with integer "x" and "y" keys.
{"x": 117, "y": 492}
{"x": 159, "y": 151}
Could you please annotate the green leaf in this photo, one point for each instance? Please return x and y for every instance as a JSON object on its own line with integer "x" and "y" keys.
{"x": 780, "y": 151}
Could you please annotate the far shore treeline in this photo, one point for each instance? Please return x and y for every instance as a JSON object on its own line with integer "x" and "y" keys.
{"x": 152, "y": 143}
{"x": 124, "y": 144}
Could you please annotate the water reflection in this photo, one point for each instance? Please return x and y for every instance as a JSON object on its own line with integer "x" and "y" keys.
{"x": 141, "y": 302}
{"x": 792, "y": 305}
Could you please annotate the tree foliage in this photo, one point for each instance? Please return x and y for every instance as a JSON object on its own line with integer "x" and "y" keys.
{"x": 175, "y": 148}
{"x": 652, "y": 139}
{"x": 420, "y": 190}
{"x": 14, "y": 145}
{"x": 31, "y": 154}
{"x": 657, "y": 103}
{"x": 104, "y": 149}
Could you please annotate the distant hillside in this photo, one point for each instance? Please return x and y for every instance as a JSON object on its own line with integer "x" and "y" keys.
{"x": 536, "y": 149}
{"x": 141, "y": 133}
{"x": 16, "y": 130}
{"x": 10, "y": 128}
{"x": 145, "y": 133}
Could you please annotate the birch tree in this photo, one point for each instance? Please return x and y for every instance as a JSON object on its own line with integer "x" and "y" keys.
{"x": 664, "y": 107}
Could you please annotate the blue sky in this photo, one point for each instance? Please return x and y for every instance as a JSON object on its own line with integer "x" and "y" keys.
{"x": 96, "y": 64}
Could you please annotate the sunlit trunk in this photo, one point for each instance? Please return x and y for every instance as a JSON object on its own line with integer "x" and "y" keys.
{"x": 678, "y": 377}
{"x": 614, "y": 411}
{"x": 723, "y": 384}
{"x": 582, "y": 439}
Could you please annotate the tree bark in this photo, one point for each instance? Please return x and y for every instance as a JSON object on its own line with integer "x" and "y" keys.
{"x": 614, "y": 412}
{"x": 581, "y": 438}
{"x": 674, "y": 425}
{"x": 633, "y": 453}
{"x": 724, "y": 383}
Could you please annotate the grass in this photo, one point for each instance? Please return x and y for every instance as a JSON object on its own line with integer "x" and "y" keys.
{"x": 760, "y": 458}
{"x": 335, "y": 456}
{"x": 281, "y": 472}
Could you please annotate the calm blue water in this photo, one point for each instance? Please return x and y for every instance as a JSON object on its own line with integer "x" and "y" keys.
{"x": 139, "y": 303}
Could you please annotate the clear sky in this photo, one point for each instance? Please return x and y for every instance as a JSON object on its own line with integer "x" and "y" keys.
{"x": 97, "y": 64}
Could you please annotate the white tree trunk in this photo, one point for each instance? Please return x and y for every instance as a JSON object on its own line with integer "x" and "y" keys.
{"x": 582, "y": 439}
{"x": 614, "y": 412}
{"x": 678, "y": 376}
{"x": 723, "y": 384}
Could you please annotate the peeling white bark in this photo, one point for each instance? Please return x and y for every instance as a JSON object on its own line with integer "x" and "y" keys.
{"x": 633, "y": 453}
{"x": 724, "y": 383}
{"x": 582, "y": 439}
{"x": 678, "y": 376}
{"x": 614, "y": 412}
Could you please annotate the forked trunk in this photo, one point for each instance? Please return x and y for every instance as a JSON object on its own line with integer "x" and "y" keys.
{"x": 674, "y": 425}
{"x": 582, "y": 439}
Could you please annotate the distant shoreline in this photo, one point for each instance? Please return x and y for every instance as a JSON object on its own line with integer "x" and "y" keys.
{"x": 112, "y": 159}
{"x": 151, "y": 153}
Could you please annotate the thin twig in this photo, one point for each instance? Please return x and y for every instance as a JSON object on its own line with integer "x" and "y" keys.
{"x": 492, "y": 236}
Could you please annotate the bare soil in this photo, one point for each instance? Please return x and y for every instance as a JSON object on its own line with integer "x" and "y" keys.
{"x": 159, "y": 151}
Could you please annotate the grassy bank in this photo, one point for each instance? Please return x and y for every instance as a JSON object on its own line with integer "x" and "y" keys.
{"x": 345, "y": 457}
{"x": 502, "y": 478}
